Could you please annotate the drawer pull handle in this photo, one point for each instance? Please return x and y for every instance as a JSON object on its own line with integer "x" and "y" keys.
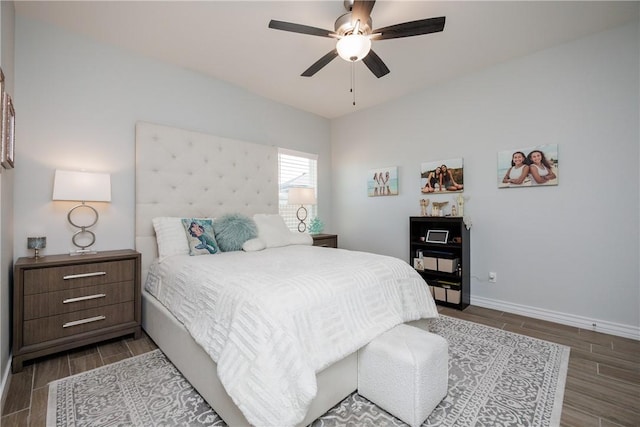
{"x": 85, "y": 298}
{"x": 78, "y": 276}
{"x": 83, "y": 321}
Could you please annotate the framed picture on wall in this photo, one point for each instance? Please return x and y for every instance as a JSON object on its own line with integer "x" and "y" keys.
{"x": 2, "y": 117}
{"x": 383, "y": 182}
{"x": 528, "y": 167}
{"x": 442, "y": 176}
{"x": 8, "y": 133}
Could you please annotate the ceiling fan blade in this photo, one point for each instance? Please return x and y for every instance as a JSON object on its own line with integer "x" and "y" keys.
{"x": 299, "y": 28}
{"x": 408, "y": 29}
{"x": 317, "y": 66}
{"x": 361, "y": 10}
{"x": 375, "y": 64}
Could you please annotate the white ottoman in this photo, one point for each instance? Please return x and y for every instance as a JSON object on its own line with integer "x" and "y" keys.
{"x": 405, "y": 371}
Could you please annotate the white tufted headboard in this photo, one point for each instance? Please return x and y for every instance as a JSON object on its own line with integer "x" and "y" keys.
{"x": 182, "y": 173}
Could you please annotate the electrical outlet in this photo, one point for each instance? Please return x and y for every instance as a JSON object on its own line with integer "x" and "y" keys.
{"x": 493, "y": 276}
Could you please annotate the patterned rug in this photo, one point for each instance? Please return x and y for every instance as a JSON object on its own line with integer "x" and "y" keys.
{"x": 496, "y": 378}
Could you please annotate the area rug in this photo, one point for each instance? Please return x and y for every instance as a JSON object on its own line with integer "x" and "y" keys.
{"x": 496, "y": 378}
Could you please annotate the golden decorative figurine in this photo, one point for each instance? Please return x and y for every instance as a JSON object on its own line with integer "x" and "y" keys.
{"x": 460, "y": 201}
{"x": 437, "y": 208}
{"x": 423, "y": 206}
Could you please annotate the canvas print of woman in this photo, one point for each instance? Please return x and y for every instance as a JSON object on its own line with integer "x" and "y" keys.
{"x": 442, "y": 176}
{"x": 527, "y": 167}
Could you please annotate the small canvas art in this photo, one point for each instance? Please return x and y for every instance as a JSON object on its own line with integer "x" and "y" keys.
{"x": 442, "y": 176}
{"x": 383, "y": 182}
{"x": 8, "y": 132}
{"x": 528, "y": 167}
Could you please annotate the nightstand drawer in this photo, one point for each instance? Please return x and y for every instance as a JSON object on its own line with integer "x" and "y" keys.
{"x": 61, "y": 302}
{"x": 63, "y": 325}
{"x": 325, "y": 240}
{"x": 74, "y": 276}
{"x": 43, "y": 305}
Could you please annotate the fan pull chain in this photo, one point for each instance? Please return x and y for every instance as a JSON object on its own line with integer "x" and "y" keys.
{"x": 353, "y": 82}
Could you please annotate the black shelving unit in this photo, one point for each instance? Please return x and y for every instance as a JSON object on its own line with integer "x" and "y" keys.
{"x": 444, "y": 266}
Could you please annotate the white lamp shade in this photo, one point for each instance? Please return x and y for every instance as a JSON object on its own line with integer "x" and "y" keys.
{"x": 302, "y": 196}
{"x": 353, "y": 47}
{"x": 82, "y": 186}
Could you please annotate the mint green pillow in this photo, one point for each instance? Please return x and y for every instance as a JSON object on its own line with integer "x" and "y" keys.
{"x": 232, "y": 230}
{"x": 200, "y": 235}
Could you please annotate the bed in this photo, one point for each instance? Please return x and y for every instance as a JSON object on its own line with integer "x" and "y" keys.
{"x": 182, "y": 173}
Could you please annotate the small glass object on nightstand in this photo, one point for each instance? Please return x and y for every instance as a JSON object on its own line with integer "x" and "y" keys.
{"x": 36, "y": 243}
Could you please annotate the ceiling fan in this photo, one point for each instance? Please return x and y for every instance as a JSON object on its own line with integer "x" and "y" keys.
{"x": 354, "y": 33}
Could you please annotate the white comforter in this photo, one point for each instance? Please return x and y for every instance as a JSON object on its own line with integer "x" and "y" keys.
{"x": 273, "y": 319}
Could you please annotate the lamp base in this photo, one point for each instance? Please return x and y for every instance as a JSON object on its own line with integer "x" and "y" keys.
{"x": 83, "y": 238}
{"x": 83, "y": 252}
{"x": 301, "y": 214}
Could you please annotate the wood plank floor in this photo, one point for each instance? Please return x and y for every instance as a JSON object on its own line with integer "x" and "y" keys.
{"x": 26, "y": 401}
{"x": 602, "y": 388}
{"x": 603, "y": 380}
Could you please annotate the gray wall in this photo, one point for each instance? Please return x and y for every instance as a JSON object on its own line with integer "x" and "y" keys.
{"x": 79, "y": 102}
{"x": 6, "y": 203}
{"x": 568, "y": 252}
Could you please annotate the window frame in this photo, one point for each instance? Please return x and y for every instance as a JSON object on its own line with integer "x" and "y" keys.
{"x": 308, "y": 178}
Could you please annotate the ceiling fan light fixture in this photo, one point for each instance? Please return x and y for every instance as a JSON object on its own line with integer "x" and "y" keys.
{"x": 355, "y": 32}
{"x": 353, "y": 47}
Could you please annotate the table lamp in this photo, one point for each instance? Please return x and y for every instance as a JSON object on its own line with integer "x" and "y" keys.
{"x": 302, "y": 196}
{"x": 82, "y": 187}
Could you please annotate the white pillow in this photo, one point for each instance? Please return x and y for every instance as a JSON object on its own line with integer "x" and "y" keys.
{"x": 170, "y": 236}
{"x": 272, "y": 230}
{"x": 253, "y": 245}
{"x": 298, "y": 238}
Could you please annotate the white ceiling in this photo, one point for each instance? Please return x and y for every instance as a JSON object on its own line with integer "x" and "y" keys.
{"x": 230, "y": 40}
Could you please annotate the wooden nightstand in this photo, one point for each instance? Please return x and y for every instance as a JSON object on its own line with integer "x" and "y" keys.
{"x": 326, "y": 240}
{"x": 62, "y": 302}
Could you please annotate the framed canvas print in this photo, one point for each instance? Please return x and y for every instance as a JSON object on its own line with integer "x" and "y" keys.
{"x": 8, "y": 132}
{"x": 2, "y": 118}
{"x": 383, "y": 182}
{"x": 442, "y": 176}
{"x": 528, "y": 167}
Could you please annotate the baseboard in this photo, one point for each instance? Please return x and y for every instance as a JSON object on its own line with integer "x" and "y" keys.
{"x": 589, "y": 324}
{"x": 4, "y": 385}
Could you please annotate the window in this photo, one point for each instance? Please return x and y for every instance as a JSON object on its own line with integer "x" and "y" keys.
{"x": 296, "y": 169}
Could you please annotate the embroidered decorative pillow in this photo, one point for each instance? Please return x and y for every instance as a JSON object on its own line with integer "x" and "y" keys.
{"x": 200, "y": 236}
{"x": 232, "y": 230}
